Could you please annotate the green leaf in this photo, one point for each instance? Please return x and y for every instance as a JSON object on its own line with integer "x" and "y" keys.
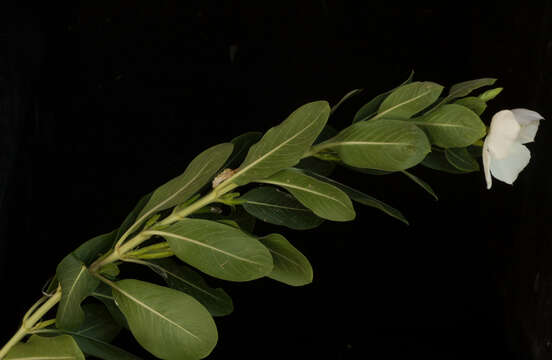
{"x": 98, "y": 324}
{"x": 111, "y": 270}
{"x": 241, "y": 144}
{"x": 96, "y": 333}
{"x": 245, "y": 221}
{"x": 389, "y": 145}
{"x": 371, "y": 108}
{"x": 316, "y": 165}
{"x": 436, "y": 160}
{"x": 461, "y": 159}
{"x": 475, "y": 151}
{"x": 198, "y": 173}
{"x": 325, "y": 200}
{"x": 280, "y": 208}
{"x": 52, "y": 348}
{"x": 409, "y": 100}
{"x": 363, "y": 198}
{"x": 284, "y": 145}
{"x": 181, "y": 277}
{"x": 218, "y": 250}
{"x": 133, "y": 215}
{"x": 465, "y": 88}
{"x": 327, "y": 132}
{"x": 76, "y": 284}
{"x": 490, "y": 94}
{"x": 103, "y": 350}
{"x": 422, "y": 184}
{"x": 365, "y": 171}
{"x": 168, "y": 323}
{"x": 104, "y": 294}
{"x": 345, "y": 98}
{"x": 473, "y": 103}
{"x": 452, "y": 125}
{"x": 93, "y": 248}
{"x": 290, "y": 266}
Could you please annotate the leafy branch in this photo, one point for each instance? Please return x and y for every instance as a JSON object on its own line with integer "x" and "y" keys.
{"x": 201, "y": 222}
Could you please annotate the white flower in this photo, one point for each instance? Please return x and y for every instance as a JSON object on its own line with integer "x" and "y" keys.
{"x": 504, "y": 155}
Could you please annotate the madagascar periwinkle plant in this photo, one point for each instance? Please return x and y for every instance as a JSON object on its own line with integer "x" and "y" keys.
{"x": 180, "y": 231}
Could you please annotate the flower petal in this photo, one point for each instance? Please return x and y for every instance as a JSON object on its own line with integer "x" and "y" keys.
{"x": 507, "y": 169}
{"x": 503, "y": 133}
{"x": 529, "y": 122}
{"x": 486, "y": 155}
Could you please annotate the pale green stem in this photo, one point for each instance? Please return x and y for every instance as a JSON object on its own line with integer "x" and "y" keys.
{"x": 30, "y": 322}
{"x": 157, "y": 255}
{"x": 43, "y": 324}
{"x": 33, "y": 308}
{"x": 119, "y": 252}
{"x": 146, "y": 249}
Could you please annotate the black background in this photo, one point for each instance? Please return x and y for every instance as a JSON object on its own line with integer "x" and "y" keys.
{"x": 102, "y": 101}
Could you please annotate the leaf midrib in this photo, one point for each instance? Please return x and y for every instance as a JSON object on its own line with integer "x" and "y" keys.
{"x": 401, "y": 104}
{"x": 185, "y": 281}
{"x": 286, "y": 185}
{"x": 255, "y": 162}
{"x": 199, "y": 243}
{"x": 152, "y": 310}
{"x": 277, "y": 206}
{"x": 74, "y": 285}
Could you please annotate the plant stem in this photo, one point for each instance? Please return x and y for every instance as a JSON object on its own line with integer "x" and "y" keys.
{"x": 30, "y": 322}
{"x": 119, "y": 252}
{"x": 162, "y": 245}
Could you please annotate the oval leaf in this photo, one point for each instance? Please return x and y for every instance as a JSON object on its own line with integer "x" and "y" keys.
{"x": 93, "y": 248}
{"x": 461, "y": 159}
{"x": 490, "y": 94}
{"x": 388, "y": 145}
{"x": 290, "y": 266}
{"x": 76, "y": 284}
{"x": 323, "y": 199}
{"x": 284, "y": 145}
{"x": 198, "y": 173}
{"x": 280, "y": 208}
{"x": 363, "y": 198}
{"x": 168, "y": 323}
{"x": 183, "y": 278}
{"x": 409, "y": 100}
{"x": 452, "y": 125}
{"x": 473, "y": 103}
{"x": 61, "y": 347}
{"x": 371, "y": 108}
{"x": 217, "y": 249}
{"x": 241, "y": 144}
{"x": 104, "y": 294}
{"x": 466, "y": 87}
{"x": 96, "y": 333}
{"x": 436, "y": 160}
